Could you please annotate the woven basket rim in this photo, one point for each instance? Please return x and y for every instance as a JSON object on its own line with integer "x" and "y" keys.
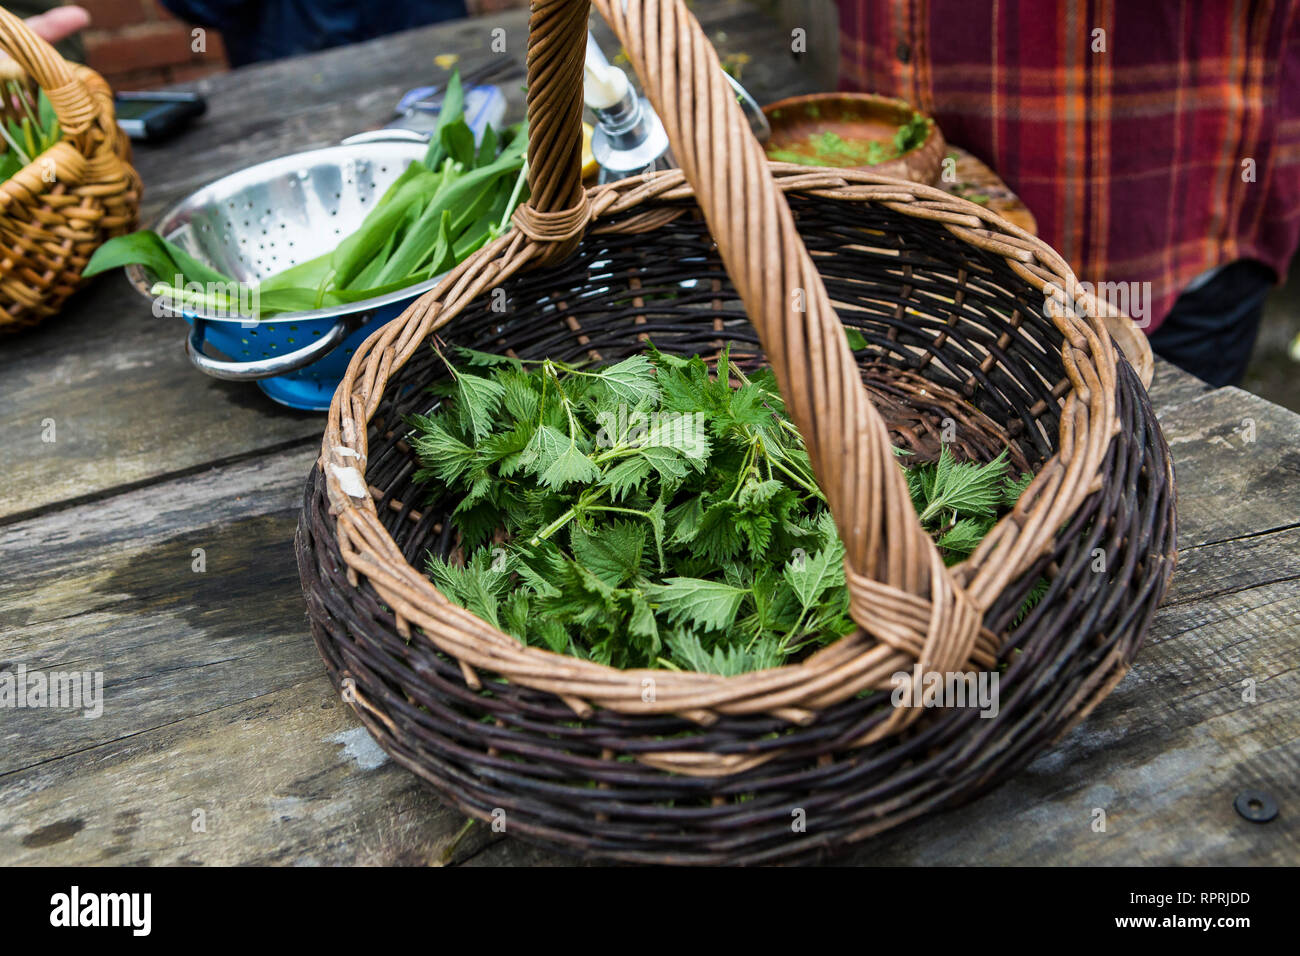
{"x": 368, "y": 549}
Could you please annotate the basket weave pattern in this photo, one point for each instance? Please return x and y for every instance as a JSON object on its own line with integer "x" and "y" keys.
{"x": 950, "y": 299}
{"x": 56, "y": 211}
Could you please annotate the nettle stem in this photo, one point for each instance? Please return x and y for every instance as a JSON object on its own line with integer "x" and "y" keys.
{"x": 745, "y": 467}
{"x": 578, "y": 507}
{"x": 802, "y": 482}
{"x": 555, "y": 526}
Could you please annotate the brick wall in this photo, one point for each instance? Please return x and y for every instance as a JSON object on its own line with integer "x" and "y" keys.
{"x": 137, "y": 45}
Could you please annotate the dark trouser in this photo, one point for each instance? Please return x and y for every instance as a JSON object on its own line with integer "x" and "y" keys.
{"x": 1211, "y": 330}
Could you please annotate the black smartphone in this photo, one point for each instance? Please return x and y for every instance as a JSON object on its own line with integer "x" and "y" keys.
{"x": 153, "y": 117}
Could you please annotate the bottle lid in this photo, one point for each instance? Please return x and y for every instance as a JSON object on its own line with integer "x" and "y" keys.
{"x": 603, "y": 85}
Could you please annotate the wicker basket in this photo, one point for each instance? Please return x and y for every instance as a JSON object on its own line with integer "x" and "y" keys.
{"x": 798, "y": 761}
{"x": 55, "y": 212}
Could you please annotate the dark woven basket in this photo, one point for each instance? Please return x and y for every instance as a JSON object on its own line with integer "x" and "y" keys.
{"x": 952, "y": 310}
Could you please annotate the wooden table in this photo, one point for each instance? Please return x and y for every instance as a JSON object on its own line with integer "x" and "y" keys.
{"x": 217, "y": 710}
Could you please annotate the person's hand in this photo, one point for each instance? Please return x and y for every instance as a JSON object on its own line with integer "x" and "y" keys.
{"x": 59, "y": 23}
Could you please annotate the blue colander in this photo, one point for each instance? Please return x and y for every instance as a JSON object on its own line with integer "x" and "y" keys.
{"x": 261, "y": 220}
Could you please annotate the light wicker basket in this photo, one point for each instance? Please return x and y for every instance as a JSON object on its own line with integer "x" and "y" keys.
{"x": 950, "y": 298}
{"x": 57, "y": 210}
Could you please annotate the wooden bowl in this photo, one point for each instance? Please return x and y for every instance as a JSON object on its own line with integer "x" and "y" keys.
{"x": 855, "y": 118}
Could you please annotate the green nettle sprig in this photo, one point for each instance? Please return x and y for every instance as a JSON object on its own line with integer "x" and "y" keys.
{"x": 652, "y": 514}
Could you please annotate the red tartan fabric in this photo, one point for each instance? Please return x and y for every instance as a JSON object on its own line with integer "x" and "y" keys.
{"x": 1133, "y": 146}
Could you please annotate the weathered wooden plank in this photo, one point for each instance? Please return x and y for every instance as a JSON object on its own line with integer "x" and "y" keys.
{"x": 112, "y": 587}
{"x": 1164, "y": 756}
{"x": 1219, "y": 568}
{"x": 104, "y": 396}
{"x": 214, "y": 698}
{"x": 1171, "y": 386}
{"x": 267, "y": 110}
{"x": 1236, "y": 464}
{"x": 285, "y": 777}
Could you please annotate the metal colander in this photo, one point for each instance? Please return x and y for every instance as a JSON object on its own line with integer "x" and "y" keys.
{"x": 262, "y": 220}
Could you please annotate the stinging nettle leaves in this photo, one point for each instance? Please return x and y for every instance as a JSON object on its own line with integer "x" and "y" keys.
{"x": 570, "y": 466}
{"x": 711, "y": 605}
{"x": 653, "y": 514}
{"x": 631, "y": 381}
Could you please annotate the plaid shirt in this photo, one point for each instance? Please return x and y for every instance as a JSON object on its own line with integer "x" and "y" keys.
{"x": 1160, "y": 147}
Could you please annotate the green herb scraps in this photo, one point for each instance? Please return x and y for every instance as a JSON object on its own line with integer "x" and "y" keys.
{"x": 652, "y": 514}
{"x": 29, "y": 132}
{"x": 440, "y": 210}
{"x": 830, "y": 149}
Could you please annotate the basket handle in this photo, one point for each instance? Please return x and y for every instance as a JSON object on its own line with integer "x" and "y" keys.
{"x": 900, "y": 591}
{"x": 70, "y": 97}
